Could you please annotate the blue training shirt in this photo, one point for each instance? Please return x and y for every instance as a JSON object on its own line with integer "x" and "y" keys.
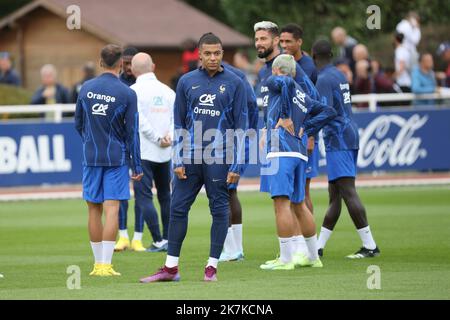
{"x": 205, "y": 103}
{"x": 107, "y": 120}
{"x": 342, "y": 132}
{"x": 307, "y": 64}
{"x": 253, "y": 113}
{"x": 300, "y": 77}
{"x": 289, "y": 100}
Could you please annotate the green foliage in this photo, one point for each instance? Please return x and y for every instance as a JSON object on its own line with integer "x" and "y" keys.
{"x": 11, "y": 95}
{"x": 8, "y": 6}
{"x": 319, "y": 17}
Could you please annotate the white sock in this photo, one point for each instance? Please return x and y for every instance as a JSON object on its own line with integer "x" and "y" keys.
{"x": 171, "y": 261}
{"x": 237, "y": 235}
{"x": 108, "y": 250}
{"x": 97, "y": 249}
{"x": 325, "y": 234}
{"x": 285, "y": 249}
{"x": 229, "y": 246}
{"x": 212, "y": 262}
{"x": 137, "y": 236}
{"x": 300, "y": 245}
{"x": 366, "y": 237}
{"x": 311, "y": 243}
{"x": 123, "y": 233}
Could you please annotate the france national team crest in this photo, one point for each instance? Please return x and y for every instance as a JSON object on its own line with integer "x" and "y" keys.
{"x": 222, "y": 89}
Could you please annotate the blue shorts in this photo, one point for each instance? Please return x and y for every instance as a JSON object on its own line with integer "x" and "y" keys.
{"x": 290, "y": 180}
{"x": 312, "y": 168}
{"x": 106, "y": 183}
{"x": 341, "y": 164}
{"x": 267, "y": 169}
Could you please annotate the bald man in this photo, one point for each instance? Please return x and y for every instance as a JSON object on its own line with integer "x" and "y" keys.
{"x": 345, "y": 43}
{"x": 155, "y": 106}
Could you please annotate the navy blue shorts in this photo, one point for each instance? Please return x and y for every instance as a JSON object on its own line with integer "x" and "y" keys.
{"x": 341, "y": 164}
{"x": 106, "y": 183}
{"x": 312, "y": 168}
{"x": 290, "y": 180}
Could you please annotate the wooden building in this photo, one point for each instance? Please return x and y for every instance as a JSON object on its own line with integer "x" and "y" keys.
{"x": 37, "y": 34}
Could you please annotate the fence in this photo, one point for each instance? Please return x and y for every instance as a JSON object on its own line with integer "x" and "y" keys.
{"x": 36, "y": 152}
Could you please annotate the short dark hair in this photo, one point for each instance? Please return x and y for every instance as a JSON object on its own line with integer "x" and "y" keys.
{"x": 110, "y": 55}
{"x": 399, "y": 37}
{"x": 295, "y": 29}
{"x": 322, "y": 50}
{"x": 209, "y": 38}
{"x": 130, "y": 52}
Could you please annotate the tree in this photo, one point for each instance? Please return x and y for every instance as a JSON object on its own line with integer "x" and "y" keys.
{"x": 9, "y": 6}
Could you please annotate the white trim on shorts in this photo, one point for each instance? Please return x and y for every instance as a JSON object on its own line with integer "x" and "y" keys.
{"x": 272, "y": 155}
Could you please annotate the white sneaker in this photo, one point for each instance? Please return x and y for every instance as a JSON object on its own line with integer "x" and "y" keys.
{"x": 161, "y": 243}
{"x": 224, "y": 256}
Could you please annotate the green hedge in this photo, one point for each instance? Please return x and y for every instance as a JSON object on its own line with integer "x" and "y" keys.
{"x": 11, "y": 95}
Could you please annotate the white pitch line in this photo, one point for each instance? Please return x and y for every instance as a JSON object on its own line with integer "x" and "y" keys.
{"x": 57, "y": 195}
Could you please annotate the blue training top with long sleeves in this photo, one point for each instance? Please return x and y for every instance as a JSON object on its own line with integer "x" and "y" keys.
{"x": 205, "y": 109}
{"x": 251, "y": 97}
{"x": 288, "y": 100}
{"x": 253, "y": 112}
{"x": 107, "y": 120}
{"x": 300, "y": 77}
{"x": 307, "y": 64}
{"x": 342, "y": 132}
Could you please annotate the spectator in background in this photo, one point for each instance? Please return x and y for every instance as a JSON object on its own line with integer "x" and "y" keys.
{"x": 342, "y": 65}
{"x": 7, "y": 74}
{"x": 51, "y": 91}
{"x": 126, "y": 76}
{"x": 423, "y": 78}
{"x": 444, "y": 52}
{"x": 371, "y": 79}
{"x": 241, "y": 61}
{"x": 190, "y": 55}
{"x": 402, "y": 64}
{"x": 360, "y": 52}
{"x": 363, "y": 82}
{"x": 383, "y": 84}
{"x": 88, "y": 74}
{"x": 410, "y": 28}
{"x": 345, "y": 44}
{"x": 189, "y": 61}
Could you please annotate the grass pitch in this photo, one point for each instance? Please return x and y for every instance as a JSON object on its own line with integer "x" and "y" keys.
{"x": 39, "y": 240}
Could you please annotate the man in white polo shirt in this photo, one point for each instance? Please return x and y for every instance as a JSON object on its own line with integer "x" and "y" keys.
{"x": 155, "y": 106}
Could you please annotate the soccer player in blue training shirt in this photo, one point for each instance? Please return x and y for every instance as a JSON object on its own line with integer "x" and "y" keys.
{"x": 267, "y": 39}
{"x": 210, "y": 104}
{"x": 342, "y": 143}
{"x": 286, "y": 120}
{"x": 233, "y": 247}
{"x": 107, "y": 120}
{"x": 291, "y": 42}
{"x": 128, "y": 78}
